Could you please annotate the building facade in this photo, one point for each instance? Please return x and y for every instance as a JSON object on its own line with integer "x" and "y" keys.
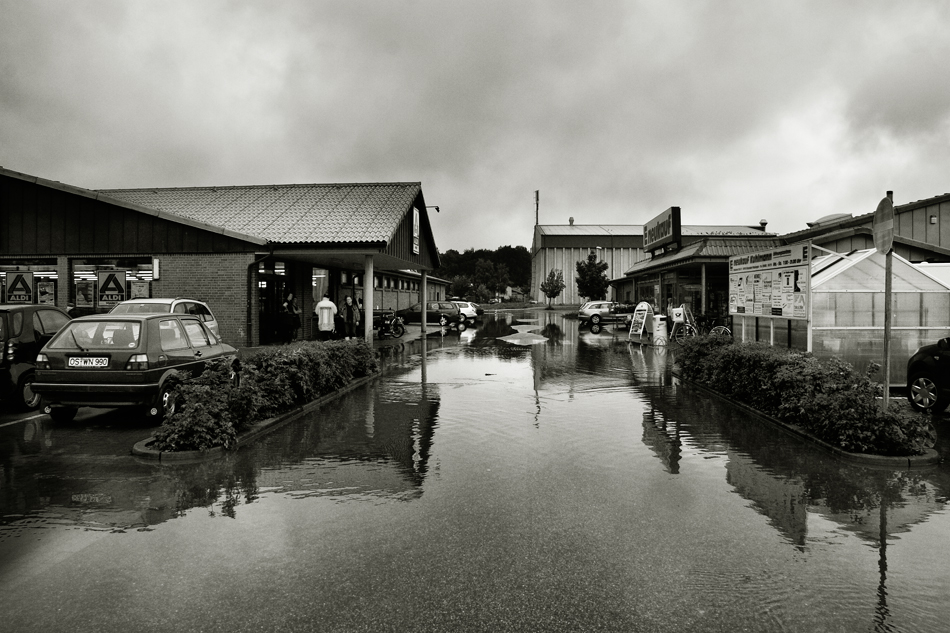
{"x": 240, "y": 249}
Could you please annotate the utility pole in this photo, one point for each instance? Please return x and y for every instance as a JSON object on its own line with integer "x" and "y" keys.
{"x": 537, "y": 199}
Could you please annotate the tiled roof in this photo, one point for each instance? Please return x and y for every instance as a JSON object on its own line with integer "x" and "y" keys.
{"x": 637, "y": 229}
{"x": 718, "y": 249}
{"x": 288, "y": 214}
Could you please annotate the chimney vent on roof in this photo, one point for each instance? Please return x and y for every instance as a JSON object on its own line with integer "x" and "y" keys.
{"x": 571, "y": 220}
{"x": 763, "y": 223}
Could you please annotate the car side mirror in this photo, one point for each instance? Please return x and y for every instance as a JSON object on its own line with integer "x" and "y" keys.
{"x": 944, "y": 344}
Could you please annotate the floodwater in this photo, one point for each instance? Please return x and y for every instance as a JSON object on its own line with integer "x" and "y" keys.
{"x": 554, "y": 481}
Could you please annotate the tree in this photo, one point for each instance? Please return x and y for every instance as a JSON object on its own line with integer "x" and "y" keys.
{"x": 591, "y": 278}
{"x": 461, "y": 286}
{"x": 553, "y": 285}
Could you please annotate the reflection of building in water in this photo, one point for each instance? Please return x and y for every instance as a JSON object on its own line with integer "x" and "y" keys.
{"x": 783, "y": 501}
{"x": 786, "y": 479}
{"x": 375, "y": 443}
{"x": 663, "y": 439}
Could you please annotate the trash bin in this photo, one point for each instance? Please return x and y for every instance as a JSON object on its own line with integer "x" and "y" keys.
{"x": 659, "y": 326}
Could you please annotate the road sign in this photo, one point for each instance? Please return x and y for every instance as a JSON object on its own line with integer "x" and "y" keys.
{"x": 883, "y": 226}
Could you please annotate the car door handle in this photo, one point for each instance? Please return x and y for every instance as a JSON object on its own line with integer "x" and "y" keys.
{"x": 198, "y": 353}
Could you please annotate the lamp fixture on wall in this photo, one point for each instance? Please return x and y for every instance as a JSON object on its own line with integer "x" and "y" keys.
{"x": 933, "y": 219}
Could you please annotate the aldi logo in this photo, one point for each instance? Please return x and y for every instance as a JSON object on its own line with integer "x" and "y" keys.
{"x": 111, "y": 287}
{"x": 19, "y": 287}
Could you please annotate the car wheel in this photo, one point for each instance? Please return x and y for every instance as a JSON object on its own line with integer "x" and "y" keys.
{"x": 595, "y": 319}
{"x": 61, "y": 414}
{"x": 443, "y": 320}
{"x": 398, "y": 330}
{"x": 924, "y": 393}
{"x": 461, "y": 326}
{"x": 164, "y": 406}
{"x": 29, "y": 399}
{"x": 596, "y": 328}
{"x": 462, "y": 318}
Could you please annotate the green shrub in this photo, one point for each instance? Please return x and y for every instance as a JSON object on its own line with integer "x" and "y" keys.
{"x": 826, "y": 398}
{"x": 214, "y": 408}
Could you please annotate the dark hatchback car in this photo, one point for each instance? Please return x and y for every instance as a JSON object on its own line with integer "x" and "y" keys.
{"x": 444, "y": 313}
{"x": 24, "y": 329}
{"x": 128, "y": 360}
{"x": 928, "y": 377}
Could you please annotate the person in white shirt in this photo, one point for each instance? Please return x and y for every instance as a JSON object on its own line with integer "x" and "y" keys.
{"x": 326, "y": 313}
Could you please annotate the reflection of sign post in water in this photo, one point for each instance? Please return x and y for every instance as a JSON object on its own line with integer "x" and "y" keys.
{"x": 883, "y": 226}
{"x": 20, "y": 287}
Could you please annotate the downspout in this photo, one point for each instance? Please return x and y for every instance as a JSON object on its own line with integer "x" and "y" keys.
{"x": 250, "y": 288}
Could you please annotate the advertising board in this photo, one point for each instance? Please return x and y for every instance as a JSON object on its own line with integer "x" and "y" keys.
{"x": 772, "y": 283}
{"x": 662, "y": 230}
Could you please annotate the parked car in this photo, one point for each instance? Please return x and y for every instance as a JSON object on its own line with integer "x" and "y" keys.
{"x": 444, "y": 313}
{"x": 494, "y": 300}
{"x": 24, "y": 329}
{"x": 178, "y": 305}
{"x": 469, "y": 310}
{"x": 928, "y": 377}
{"x": 124, "y": 360}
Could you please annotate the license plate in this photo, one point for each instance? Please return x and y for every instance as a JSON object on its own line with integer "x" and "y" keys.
{"x": 89, "y": 362}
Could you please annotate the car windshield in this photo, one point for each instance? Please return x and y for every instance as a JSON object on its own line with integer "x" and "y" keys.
{"x": 141, "y": 307}
{"x": 98, "y": 335}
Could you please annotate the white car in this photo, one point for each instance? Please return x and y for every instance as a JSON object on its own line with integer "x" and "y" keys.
{"x": 177, "y": 305}
{"x": 469, "y": 310}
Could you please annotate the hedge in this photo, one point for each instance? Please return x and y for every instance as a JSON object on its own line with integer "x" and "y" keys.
{"x": 826, "y": 398}
{"x": 215, "y": 407}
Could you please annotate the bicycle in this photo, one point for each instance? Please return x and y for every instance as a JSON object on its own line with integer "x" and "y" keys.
{"x": 711, "y": 326}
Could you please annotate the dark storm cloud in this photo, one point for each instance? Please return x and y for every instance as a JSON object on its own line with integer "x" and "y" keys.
{"x": 734, "y": 111}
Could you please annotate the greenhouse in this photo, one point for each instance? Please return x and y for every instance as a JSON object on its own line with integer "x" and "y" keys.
{"x": 847, "y": 312}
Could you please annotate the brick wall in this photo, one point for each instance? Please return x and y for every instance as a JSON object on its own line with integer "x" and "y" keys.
{"x": 220, "y": 280}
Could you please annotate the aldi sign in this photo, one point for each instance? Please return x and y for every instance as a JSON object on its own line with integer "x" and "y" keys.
{"x": 20, "y": 287}
{"x": 111, "y": 287}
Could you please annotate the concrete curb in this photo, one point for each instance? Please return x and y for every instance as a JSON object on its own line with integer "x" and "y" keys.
{"x": 929, "y": 458}
{"x": 142, "y": 448}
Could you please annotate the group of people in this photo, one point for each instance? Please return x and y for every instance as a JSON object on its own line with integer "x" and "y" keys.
{"x": 326, "y": 313}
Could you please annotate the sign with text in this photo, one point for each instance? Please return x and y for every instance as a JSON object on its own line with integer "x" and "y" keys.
{"x": 20, "y": 287}
{"x": 415, "y": 231}
{"x": 664, "y": 229}
{"x": 111, "y": 287}
{"x": 772, "y": 283}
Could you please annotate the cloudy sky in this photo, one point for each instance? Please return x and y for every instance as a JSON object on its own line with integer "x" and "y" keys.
{"x": 733, "y": 111}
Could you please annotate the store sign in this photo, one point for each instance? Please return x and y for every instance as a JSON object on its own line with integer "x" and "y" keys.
{"x": 664, "y": 229}
{"x": 415, "y": 231}
{"x": 20, "y": 287}
{"x": 772, "y": 283}
{"x": 111, "y": 287}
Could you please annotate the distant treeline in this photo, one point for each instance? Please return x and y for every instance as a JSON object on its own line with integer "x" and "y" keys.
{"x": 475, "y": 271}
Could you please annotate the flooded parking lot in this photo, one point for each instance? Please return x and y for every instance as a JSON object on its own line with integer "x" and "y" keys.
{"x": 521, "y": 476}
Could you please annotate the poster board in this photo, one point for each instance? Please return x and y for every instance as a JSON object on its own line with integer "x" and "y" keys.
{"x": 46, "y": 293}
{"x": 138, "y": 290}
{"x": 772, "y": 284}
{"x": 642, "y": 319}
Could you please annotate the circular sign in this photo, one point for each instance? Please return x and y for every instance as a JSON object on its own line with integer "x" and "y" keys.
{"x": 883, "y": 226}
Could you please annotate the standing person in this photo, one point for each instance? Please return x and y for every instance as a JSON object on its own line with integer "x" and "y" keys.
{"x": 326, "y": 312}
{"x": 351, "y": 317}
{"x": 285, "y": 319}
{"x": 294, "y": 311}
